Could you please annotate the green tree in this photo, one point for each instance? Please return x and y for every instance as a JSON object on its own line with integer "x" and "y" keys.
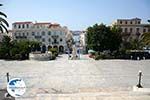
{"x": 100, "y": 38}
{"x": 5, "y": 47}
{"x": 145, "y": 38}
{"x": 16, "y": 50}
{"x": 3, "y": 23}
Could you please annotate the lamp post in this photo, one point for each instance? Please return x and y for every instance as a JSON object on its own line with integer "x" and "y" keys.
{"x": 139, "y": 81}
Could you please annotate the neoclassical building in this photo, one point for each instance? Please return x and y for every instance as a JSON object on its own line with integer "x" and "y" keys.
{"x": 50, "y": 35}
{"x": 132, "y": 28}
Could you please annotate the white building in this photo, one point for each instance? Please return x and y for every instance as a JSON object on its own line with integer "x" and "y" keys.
{"x": 83, "y": 41}
{"x": 132, "y": 28}
{"x": 50, "y": 35}
{"x": 76, "y": 37}
{"x": 79, "y": 38}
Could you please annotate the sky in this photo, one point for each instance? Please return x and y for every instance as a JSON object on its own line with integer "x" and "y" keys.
{"x": 75, "y": 14}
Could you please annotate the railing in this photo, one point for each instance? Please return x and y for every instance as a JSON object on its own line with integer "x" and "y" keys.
{"x": 55, "y": 42}
{"x": 21, "y": 37}
{"x": 55, "y": 36}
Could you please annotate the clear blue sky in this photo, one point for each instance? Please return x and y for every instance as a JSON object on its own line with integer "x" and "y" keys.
{"x": 76, "y": 14}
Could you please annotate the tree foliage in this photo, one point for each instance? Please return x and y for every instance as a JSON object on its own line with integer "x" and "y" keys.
{"x": 17, "y": 50}
{"x": 146, "y": 39}
{"x": 101, "y": 37}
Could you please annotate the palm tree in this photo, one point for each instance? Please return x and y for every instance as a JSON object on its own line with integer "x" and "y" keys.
{"x": 146, "y": 38}
{"x": 3, "y": 23}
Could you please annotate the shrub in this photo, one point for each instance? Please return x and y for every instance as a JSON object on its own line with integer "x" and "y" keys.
{"x": 54, "y": 51}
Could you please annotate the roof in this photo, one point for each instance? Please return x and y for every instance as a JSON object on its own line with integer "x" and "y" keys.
{"x": 55, "y": 25}
{"x": 130, "y": 19}
{"x": 43, "y": 23}
{"x": 136, "y": 18}
{"x": 22, "y": 23}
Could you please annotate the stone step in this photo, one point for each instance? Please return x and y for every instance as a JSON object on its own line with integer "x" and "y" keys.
{"x": 93, "y": 97}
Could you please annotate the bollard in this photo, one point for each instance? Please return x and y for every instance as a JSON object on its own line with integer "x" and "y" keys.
{"x": 139, "y": 82}
{"x": 7, "y": 75}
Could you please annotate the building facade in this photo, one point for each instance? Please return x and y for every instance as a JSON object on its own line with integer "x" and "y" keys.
{"x": 50, "y": 35}
{"x": 79, "y": 38}
{"x": 76, "y": 37}
{"x": 132, "y": 28}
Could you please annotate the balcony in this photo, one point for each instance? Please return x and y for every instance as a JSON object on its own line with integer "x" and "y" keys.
{"x": 37, "y": 37}
{"x": 55, "y": 43}
{"x": 55, "y": 36}
{"x": 21, "y": 37}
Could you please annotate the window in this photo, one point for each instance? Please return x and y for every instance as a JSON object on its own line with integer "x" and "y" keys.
{"x": 19, "y": 26}
{"x": 120, "y": 22}
{"x": 131, "y": 30}
{"x": 49, "y": 32}
{"x": 43, "y": 40}
{"x": 38, "y": 34}
{"x": 144, "y": 30}
{"x": 137, "y": 29}
{"x": 61, "y": 40}
{"x": 138, "y": 22}
{"x": 27, "y": 33}
{"x": 49, "y": 40}
{"x": 27, "y": 25}
{"x": 32, "y": 33}
{"x": 14, "y": 25}
{"x": 43, "y": 33}
{"x": 131, "y": 22}
{"x": 22, "y": 25}
{"x": 126, "y": 30}
{"x": 55, "y": 41}
{"x": 23, "y": 34}
{"x": 126, "y": 22}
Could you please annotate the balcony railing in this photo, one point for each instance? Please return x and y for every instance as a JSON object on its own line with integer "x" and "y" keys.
{"x": 55, "y": 36}
{"x": 37, "y": 37}
{"x": 55, "y": 42}
{"x": 21, "y": 37}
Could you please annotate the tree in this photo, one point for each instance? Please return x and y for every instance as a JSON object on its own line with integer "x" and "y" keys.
{"x": 5, "y": 47}
{"x": 3, "y": 23}
{"x": 100, "y": 38}
{"x": 16, "y": 50}
{"x": 145, "y": 38}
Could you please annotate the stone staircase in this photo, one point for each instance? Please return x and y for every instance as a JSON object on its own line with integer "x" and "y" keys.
{"x": 92, "y": 94}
